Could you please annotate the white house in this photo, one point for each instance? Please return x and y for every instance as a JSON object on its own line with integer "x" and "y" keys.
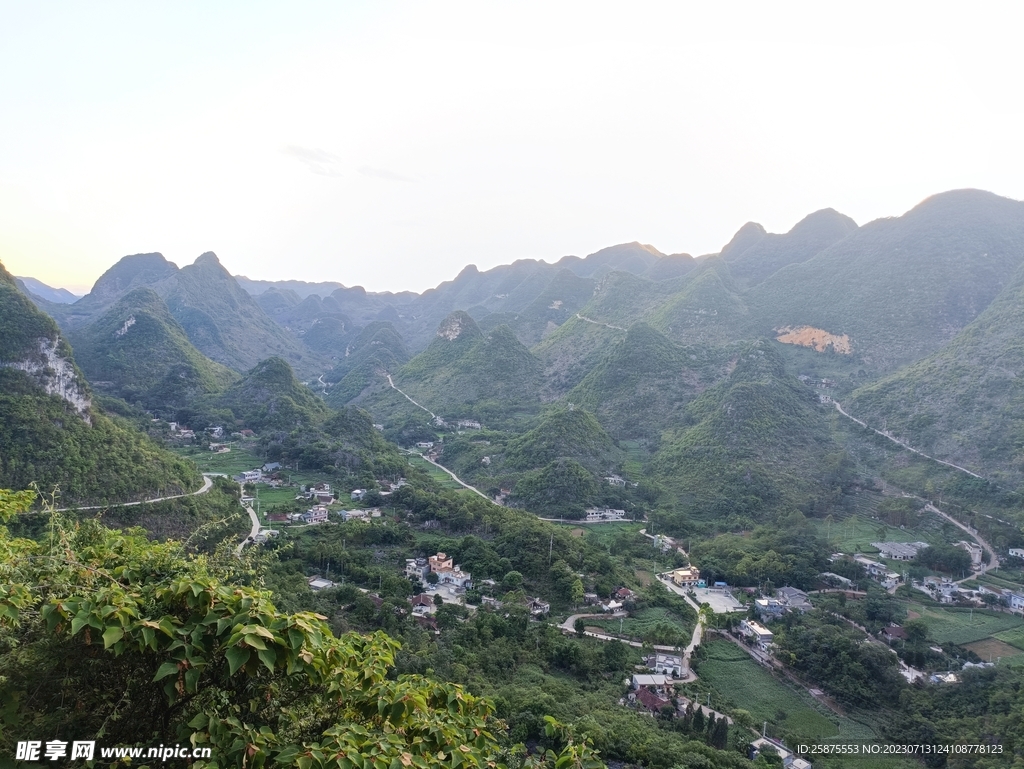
{"x": 317, "y": 514}
{"x": 753, "y": 629}
{"x": 417, "y": 568}
{"x": 252, "y": 476}
{"x": 1016, "y": 552}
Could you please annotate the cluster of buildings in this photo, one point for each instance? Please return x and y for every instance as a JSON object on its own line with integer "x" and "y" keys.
{"x": 614, "y": 602}
{"x": 442, "y": 565}
{"x": 535, "y": 606}
{"x": 785, "y": 600}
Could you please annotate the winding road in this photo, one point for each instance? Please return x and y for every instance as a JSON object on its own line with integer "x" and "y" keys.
{"x": 207, "y": 485}
{"x": 414, "y": 403}
{"x": 599, "y": 323}
{"x": 898, "y": 442}
{"x": 455, "y": 478}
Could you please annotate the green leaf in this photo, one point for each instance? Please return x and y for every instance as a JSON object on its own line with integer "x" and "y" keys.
{"x": 112, "y": 635}
{"x": 237, "y": 656}
{"x": 268, "y": 657}
{"x": 166, "y": 669}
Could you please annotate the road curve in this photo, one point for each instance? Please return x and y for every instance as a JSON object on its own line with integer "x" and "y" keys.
{"x": 898, "y": 442}
{"x": 207, "y": 485}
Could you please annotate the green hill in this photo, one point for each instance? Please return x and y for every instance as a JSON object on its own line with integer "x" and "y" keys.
{"x": 464, "y": 372}
{"x": 51, "y": 433}
{"x": 645, "y": 382}
{"x": 270, "y": 398}
{"x": 378, "y": 349}
{"x": 965, "y": 403}
{"x": 754, "y": 443}
{"x": 564, "y": 433}
{"x": 708, "y": 309}
{"x": 224, "y": 322}
{"x": 220, "y": 319}
{"x": 901, "y": 288}
{"x": 138, "y": 352}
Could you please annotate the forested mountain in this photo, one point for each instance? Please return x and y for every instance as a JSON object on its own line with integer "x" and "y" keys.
{"x": 137, "y": 351}
{"x": 901, "y": 288}
{"x": 220, "y": 319}
{"x": 964, "y": 403}
{"x": 50, "y": 431}
{"x": 47, "y": 293}
{"x": 690, "y": 397}
{"x": 752, "y": 445}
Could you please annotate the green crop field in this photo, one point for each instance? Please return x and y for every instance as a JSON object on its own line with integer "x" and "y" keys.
{"x": 744, "y": 684}
{"x": 230, "y": 463}
{"x": 645, "y": 622}
{"x": 962, "y": 626}
{"x": 1014, "y": 637}
{"x": 604, "y": 533}
{"x": 854, "y": 534}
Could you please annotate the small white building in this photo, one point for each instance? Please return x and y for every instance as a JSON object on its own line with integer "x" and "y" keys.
{"x": 1016, "y": 552}
{"x": 317, "y": 583}
{"x": 252, "y": 476}
{"x": 317, "y": 514}
{"x": 650, "y": 681}
{"x": 417, "y": 568}
{"x": 753, "y": 629}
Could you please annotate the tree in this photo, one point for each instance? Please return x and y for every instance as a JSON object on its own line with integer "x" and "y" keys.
{"x": 438, "y": 600}
{"x": 432, "y": 578}
{"x": 513, "y": 580}
{"x": 106, "y": 621}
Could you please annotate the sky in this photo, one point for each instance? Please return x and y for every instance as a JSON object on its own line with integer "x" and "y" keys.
{"x": 388, "y": 145}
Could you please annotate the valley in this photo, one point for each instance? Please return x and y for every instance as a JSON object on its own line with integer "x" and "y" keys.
{"x": 632, "y": 509}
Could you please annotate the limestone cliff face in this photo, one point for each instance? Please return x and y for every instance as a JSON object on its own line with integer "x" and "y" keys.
{"x": 55, "y": 374}
{"x": 31, "y": 342}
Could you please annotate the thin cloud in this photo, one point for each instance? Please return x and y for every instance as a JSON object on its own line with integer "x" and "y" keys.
{"x": 381, "y": 173}
{"x": 317, "y": 161}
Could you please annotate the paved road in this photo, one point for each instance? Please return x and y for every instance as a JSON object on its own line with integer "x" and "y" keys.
{"x": 251, "y": 536}
{"x": 898, "y": 442}
{"x": 993, "y": 562}
{"x": 599, "y": 323}
{"x": 455, "y": 478}
{"x": 414, "y": 403}
{"x": 207, "y": 485}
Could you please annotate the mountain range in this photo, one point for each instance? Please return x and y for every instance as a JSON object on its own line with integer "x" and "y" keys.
{"x": 907, "y": 318}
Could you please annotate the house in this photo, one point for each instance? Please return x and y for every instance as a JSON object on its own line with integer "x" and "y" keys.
{"x": 665, "y": 664}
{"x": 591, "y": 598}
{"x": 468, "y": 424}
{"x": 836, "y": 580}
{"x": 789, "y": 759}
{"x": 650, "y": 701}
{"x": 654, "y": 681}
{"x": 536, "y": 607}
{"x": 686, "y": 577}
{"x": 271, "y": 467}
{"x": 358, "y": 494}
{"x": 448, "y": 573}
{"x": 893, "y": 632}
{"x": 768, "y": 608}
{"x": 216, "y": 432}
{"x": 1016, "y": 552}
{"x": 317, "y": 514}
{"x": 265, "y": 534}
{"x": 615, "y": 480}
{"x": 417, "y": 568}
{"x": 427, "y": 622}
{"x": 494, "y": 603}
{"x": 354, "y": 515}
{"x": 425, "y": 445}
{"x": 624, "y": 594}
{"x": 598, "y": 514}
{"x": 899, "y": 551}
{"x": 975, "y": 551}
{"x": 611, "y": 606}
{"x": 422, "y": 604}
{"x": 317, "y": 583}
{"x": 247, "y": 433}
{"x": 755, "y": 630}
{"x": 440, "y": 562}
{"x": 794, "y": 599}
{"x": 1014, "y": 600}
{"x": 252, "y": 476}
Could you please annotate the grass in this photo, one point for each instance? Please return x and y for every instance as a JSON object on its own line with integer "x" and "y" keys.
{"x": 742, "y": 683}
{"x": 854, "y": 534}
{"x": 962, "y": 626}
{"x": 230, "y": 463}
{"x": 435, "y": 472}
{"x": 644, "y": 622}
{"x": 1014, "y": 637}
{"x": 604, "y": 533}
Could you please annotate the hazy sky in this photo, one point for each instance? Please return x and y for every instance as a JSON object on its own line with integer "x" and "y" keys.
{"x": 389, "y": 144}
